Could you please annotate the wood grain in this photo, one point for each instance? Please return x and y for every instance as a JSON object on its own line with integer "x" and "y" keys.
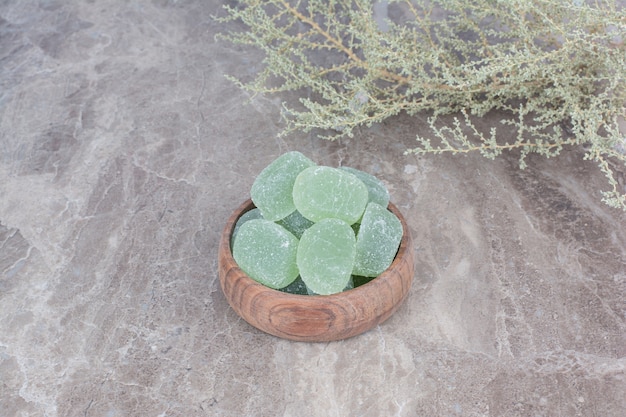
{"x": 317, "y": 318}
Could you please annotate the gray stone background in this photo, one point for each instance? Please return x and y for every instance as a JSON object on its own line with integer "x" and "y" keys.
{"x": 123, "y": 150}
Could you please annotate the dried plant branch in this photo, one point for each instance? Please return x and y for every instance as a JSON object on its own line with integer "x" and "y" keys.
{"x": 557, "y": 67}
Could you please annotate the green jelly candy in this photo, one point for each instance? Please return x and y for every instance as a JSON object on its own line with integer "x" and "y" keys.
{"x": 296, "y": 223}
{"x": 272, "y": 189}
{"x": 377, "y": 191}
{"x": 326, "y": 256}
{"x": 322, "y": 192}
{"x": 377, "y": 242}
{"x": 255, "y": 213}
{"x": 266, "y": 252}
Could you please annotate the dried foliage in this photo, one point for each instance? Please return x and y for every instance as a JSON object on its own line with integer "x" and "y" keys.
{"x": 557, "y": 68}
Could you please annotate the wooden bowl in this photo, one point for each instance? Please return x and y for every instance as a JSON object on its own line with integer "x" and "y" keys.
{"x": 315, "y": 318}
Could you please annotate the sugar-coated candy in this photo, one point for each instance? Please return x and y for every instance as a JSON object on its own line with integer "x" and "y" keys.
{"x": 266, "y": 252}
{"x": 255, "y": 213}
{"x": 377, "y": 241}
{"x": 322, "y": 192}
{"x": 377, "y": 191}
{"x": 272, "y": 189}
{"x": 326, "y": 255}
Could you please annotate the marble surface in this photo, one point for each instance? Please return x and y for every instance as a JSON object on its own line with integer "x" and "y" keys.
{"x": 123, "y": 150}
